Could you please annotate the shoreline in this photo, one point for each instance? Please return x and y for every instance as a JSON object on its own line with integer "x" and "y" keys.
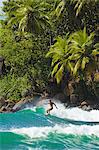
{"x": 12, "y": 106}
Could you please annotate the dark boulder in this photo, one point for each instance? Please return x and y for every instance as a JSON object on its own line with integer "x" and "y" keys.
{"x": 60, "y": 96}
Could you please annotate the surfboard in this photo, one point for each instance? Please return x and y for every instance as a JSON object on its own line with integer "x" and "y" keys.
{"x": 47, "y": 114}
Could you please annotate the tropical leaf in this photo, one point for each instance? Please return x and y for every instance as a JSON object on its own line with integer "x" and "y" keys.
{"x": 84, "y": 61}
{"x": 95, "y": 52}
{"x": 96, "y": 46}
{"x": 55, "y": 69}
{"x": 59, "y": 74}
{"x": 59, "y": 8}
{"x": 73, "y": 52}
{"x": 77, "y": 65}
{"x": 71, "y": 66}
{"x": 80, "y": 3}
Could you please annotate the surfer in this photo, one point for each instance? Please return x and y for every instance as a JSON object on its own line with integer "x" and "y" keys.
{"x": 51, "y": 106}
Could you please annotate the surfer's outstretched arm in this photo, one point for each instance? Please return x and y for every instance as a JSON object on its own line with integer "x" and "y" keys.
{"x": 55, "y": 105}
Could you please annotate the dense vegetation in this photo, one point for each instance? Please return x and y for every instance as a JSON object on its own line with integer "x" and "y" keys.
{"x": 44, "y": 40}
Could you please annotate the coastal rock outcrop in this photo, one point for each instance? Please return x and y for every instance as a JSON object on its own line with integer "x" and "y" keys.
{"x": 85, "y": 106}
{"x": 21, "y": 104}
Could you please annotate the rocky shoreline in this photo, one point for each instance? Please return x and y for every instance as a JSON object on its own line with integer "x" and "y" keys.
{"x": 13, "y": 106}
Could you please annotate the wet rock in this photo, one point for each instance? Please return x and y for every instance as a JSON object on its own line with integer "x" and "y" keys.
{"x": 44, "y": 95}
{"x": 2, "y": 101}
{"x": 74, "y": 99}
{"x": 22, "y": 103}
{"x": 86, "y": 108}
{"x": 3, "y": 109}
{"x": 60, "y": 96}
{"x": 84, "y": 103}
{"x": 19, "y": 105}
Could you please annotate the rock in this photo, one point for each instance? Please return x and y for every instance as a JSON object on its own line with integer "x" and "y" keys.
{"x": 74, "y": 99}
{"x": 95, "y": 106}
{"x": 70, "y": 88}
{"x": 3, "y": 109}
{"x": 44, "y": 95}
{"x": 6, "y": 105}
{"x": 22, "y": 103}
{"x": 60, "y": 96}
{"x": 19, "y": 105}
{"x": 2, "y": 101}
{"x": 84, "y": 103}
{"x": 86, "y": 108}
{"x": 66, "y": 105}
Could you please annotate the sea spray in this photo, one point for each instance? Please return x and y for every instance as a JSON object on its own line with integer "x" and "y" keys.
{"x": 74, "y": 113}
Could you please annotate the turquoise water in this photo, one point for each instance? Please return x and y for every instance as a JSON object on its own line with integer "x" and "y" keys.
{"x": 30, "y": 129}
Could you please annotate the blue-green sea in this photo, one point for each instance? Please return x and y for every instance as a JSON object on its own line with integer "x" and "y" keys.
{"x": 64, "y": 129}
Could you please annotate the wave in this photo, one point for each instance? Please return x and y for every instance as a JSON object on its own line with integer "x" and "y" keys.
{"x": 72, "y": 113}
{"x": 55, "y": 141}
{"x": 30, "y": 129}
{"x": 36, "y": 132}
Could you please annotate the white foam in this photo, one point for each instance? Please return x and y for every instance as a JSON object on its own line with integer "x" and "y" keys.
{"x": 37, "y": 132}
{"x": 71, "y": 113}
{"x": 75, "y": 113}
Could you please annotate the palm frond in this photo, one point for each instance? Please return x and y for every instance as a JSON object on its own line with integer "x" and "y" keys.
{"x": 85, "y": 60}
{"x": 77, "y": 65}
{"x": 59, "y": 74}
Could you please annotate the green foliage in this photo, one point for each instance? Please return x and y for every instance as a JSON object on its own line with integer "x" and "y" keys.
{"x": 16, "y": 54}
{"x": 74, "y": 53}
{"x": 31, "y": 28}
{"x": 24, "y": 56}
{"x": 12, "y": 87}
{"x": 81, "y": 44}
{"x": 69, "y": 22}
{"x": 28, "y": 15}
{"x": 80, "y": 3}
{"x": 59, "y": 52}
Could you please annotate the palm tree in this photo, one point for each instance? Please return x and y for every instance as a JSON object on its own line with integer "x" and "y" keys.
{"x": 83, "y": 52}
{"x": 74, "y": 53}
{"x": 60, "y": 54}
{"x": 31, "y": 15}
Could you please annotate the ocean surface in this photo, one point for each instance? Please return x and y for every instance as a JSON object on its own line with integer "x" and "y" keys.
{"x": 64, "y": 129}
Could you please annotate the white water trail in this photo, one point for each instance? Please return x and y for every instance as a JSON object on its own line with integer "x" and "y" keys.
{"x": 74, "y": 113}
